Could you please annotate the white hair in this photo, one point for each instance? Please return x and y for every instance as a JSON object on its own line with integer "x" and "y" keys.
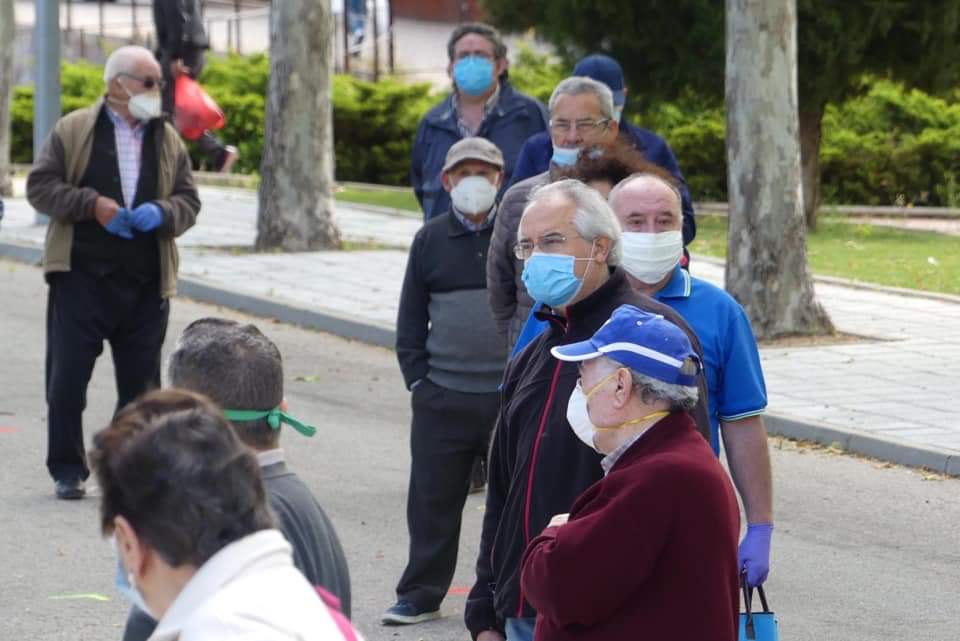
{"x": 124, "y": 61}
{"x": 579, "y": 85}
{"x": 651, "y": 390}
{"x": 620, "y": 186}
{"x": 593, "y": 217}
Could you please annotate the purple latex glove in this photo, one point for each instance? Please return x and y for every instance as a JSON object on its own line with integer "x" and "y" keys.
{"x": 120, "y": 224}
{"x": 754, "y": 553}
{"x": 146, "y": 217}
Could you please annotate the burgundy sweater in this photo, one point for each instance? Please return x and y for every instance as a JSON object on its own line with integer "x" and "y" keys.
{"x": 649, "y": 551}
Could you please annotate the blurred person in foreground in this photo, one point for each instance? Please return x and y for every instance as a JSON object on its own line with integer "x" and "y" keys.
{"x": 184, "y": 505}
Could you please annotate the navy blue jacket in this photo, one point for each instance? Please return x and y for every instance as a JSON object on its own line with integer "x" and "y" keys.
{"x": 537, "y": 151}
{"x": 515, "y": 118}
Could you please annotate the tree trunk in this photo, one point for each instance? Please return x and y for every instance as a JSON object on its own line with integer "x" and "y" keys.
{"x": 296, "y": 188}
{"x": 810, "y": 131}
{"x": 8, "y": 33}
{"x": 766, "y": 259}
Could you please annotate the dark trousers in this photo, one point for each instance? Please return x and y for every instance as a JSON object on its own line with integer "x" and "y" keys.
{"x": 208, "y": 144}
{"x": 84, "y": 310}
{"x": 449, "y": 430}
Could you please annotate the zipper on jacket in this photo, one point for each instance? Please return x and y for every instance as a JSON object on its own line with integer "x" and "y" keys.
{"x": 533, "y": 463}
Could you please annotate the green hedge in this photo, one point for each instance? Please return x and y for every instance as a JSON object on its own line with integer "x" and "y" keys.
{"x": 887, "y": 146}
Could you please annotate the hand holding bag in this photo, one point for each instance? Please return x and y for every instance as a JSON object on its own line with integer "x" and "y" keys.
{"x": 757, "y": 626}
{"x": 196, "y": 112}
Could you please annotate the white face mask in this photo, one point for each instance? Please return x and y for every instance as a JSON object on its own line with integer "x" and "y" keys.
{"x": 579, "y": 417}
{"x": 650, "y": 257}
{"x": 473, "y": 195}
{"x": 145, "y": 106}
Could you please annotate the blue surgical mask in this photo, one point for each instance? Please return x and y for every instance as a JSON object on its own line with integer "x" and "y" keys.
{"x": 551, "y": 279}
{"x": 473, "y": 75}
{"x": 122, "y": 582}
{"x": 565, "y": 156}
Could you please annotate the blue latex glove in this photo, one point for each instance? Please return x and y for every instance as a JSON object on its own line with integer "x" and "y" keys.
{"x": 754, "y": 554}
{"x": 146, "y": 217}
{"x": 119, "y": 225}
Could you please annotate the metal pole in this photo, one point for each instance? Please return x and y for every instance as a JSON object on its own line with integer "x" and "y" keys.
{"x": 390, "y": 53}
{"x": 46, "y": 105}
{"x": 376, "y": 42}
{"x": 135, "y": 27}
{"x": 69, "y": 16}
{"x": 346, "y": 38}
{"x": 236, "y": 14}
{"x": 100, "y": 8}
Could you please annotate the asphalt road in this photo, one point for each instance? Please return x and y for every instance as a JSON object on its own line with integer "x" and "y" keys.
{"x": 862, "y": 551}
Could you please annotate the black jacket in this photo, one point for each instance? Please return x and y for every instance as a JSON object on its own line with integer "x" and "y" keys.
{"x": 179, "y": 27}
{"x": 537, "y": 466}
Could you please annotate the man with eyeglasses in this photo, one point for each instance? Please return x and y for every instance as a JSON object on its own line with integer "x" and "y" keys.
{"x": 540, "y": 151}
{"x": 181, "y": 43}
{"x": 581, "y": 116}
{"x": 483, "y": 103}
{"x": 569, "y": 244}
{"x": 115, "y": 180}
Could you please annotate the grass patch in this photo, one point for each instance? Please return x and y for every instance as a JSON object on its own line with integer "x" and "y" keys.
{"x": 402, "y": 200}
{"x": 871, "y": 253}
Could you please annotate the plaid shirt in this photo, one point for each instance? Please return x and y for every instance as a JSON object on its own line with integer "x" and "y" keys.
{"x": 488, "y": 106}
{"x": 129, "y": 149}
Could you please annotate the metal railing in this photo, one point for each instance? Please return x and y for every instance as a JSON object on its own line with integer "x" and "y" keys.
{"x": 239, "y": 26}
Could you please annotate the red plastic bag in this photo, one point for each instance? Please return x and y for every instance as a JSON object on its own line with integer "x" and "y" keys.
{"x": 196, "y": 112}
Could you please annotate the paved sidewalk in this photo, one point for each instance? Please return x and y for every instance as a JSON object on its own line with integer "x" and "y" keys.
{"x": 891, "y": 395}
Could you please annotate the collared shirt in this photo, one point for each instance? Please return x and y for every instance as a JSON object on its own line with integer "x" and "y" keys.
{"x": 129, "y": 150}
{"x": 608, "y": 461}
{"x": 270, "y": 457}
{"x": 469, "y": 225}
{"x": 465, "y": 130}
{"x": 735, "y": 383}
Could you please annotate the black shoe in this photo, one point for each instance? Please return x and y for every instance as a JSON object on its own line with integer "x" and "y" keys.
{"x": 404, "y": 613}
{"x": 70, "y": 490}
{"x": 478, "y": 476}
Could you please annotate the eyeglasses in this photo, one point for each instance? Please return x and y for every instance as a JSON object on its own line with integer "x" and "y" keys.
{"x": 148, "y": 83}
{"x": 549, "y": 244}
{"x": 584, "y": 127}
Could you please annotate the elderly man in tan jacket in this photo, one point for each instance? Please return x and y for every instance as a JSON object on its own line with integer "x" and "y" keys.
{"x": 115, "y": 180}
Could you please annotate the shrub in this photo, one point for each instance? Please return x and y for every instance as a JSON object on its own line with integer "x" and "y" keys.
{"x": 887, "y": 146}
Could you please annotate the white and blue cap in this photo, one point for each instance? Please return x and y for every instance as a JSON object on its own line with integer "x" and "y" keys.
{"x": 644, "y": 342}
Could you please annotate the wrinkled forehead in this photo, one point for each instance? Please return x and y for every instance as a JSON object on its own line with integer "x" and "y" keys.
{"x": 553, "y": 213}
{"x": 645, "y": 195}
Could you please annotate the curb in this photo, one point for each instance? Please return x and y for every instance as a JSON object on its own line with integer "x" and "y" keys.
{"x": 850, "y": 441}
{"x": 870, "y": 445}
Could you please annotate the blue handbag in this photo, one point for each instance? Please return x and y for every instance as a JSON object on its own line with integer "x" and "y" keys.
{"x": 757, "y": 626}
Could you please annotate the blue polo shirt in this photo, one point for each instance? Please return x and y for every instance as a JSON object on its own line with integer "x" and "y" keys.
{"x": 732, "y": 362}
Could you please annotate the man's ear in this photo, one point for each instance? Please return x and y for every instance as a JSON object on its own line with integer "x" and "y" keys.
{"x": 500, "y": 66}
{"x": 283, "y": 405}
{"x": 499, "y": 179}
{"x": 625, "y": 380}
{"x": 131, "y": 550}
{"x": 446, "y": 182}
{"x": 601, "y": 249}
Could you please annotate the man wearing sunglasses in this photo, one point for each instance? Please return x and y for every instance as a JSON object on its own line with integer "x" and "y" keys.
{"x": 115, "y": 180}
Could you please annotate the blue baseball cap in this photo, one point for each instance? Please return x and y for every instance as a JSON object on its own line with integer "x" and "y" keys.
{"x": 644, "y": 342}
{"x": 606, "y": 70}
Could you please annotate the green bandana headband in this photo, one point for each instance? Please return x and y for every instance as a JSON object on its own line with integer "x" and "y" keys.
{"x": 274, "y": 418}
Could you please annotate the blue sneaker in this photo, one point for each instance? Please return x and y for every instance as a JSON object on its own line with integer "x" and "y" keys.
{"x": 404, "y": 613}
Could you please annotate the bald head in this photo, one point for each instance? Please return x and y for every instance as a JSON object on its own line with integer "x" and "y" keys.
{"x": 647, "y": 203}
